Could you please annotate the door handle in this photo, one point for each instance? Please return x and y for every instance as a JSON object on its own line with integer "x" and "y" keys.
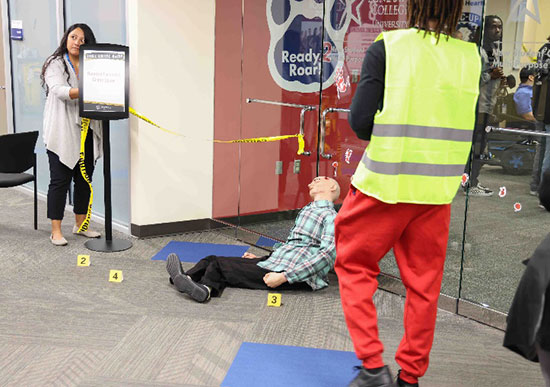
{"x": 535, "y": 133}
{"x": 305, "y": 109}
{"x": 303, "y": 122}
{"x": 322, "y": 153}
{"x": 2, "y": 87}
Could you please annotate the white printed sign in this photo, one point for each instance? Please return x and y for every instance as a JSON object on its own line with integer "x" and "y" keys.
{"x": 104, "y": 81}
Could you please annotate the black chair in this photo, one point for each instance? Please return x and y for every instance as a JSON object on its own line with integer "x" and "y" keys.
{"x": 16, "y": 156}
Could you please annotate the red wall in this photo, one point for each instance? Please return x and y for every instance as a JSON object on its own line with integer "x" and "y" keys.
{"x": 227, "y": 100}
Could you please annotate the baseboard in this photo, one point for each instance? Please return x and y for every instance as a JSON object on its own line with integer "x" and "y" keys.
{"x": 160, "y": 229}
{"x": 275, "y": 216}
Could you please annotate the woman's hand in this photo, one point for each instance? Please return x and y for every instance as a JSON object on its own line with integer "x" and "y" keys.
{"x": 73, "y": 93}
{"x": 249, "y": 255}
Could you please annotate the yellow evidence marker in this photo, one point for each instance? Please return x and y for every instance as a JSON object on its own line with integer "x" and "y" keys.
{"x": 115, "y": 276}
{"x": 83, "y": 260}
{"x": 274, "y": 299}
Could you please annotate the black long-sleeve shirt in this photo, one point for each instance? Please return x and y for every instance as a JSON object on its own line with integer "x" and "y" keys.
{"x": 369, "y": 96}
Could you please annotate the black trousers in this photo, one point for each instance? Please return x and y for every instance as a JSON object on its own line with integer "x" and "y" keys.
{"x": 60, "y": 180}
{"x": 479, "y": 143}
{"x": 220, "y": 272}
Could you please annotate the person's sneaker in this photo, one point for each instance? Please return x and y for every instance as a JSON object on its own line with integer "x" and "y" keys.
{"x": 533, "y": 192}
{"x": 183, "y": 282}
{"x": 366, "y": 378}
{"x": 483, "y": 187}
{"x": 480, "y": 190}
{"x": 181, "y": 269}
{"x": 401, "y": 383}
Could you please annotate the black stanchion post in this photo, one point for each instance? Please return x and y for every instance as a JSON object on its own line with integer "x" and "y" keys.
{"x": 107, "y": 183}
{"x": 107, "y": 244}
{"x": 104, "y": 70}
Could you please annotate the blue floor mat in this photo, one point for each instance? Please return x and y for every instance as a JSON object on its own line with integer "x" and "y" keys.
{"x": 194, "y": 252}
{"x": 269, "y": 365}
{"x": 265, "y": 242}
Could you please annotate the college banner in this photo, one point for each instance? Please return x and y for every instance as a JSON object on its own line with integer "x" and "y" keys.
{"x": 469, "y": 27}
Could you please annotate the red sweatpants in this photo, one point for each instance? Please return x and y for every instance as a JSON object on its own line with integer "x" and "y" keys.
{"x": 366, "y": 229}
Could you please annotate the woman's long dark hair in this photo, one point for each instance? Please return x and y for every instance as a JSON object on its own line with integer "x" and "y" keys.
{"x": 446, "y": 13}
{"x": 89, "y": 38}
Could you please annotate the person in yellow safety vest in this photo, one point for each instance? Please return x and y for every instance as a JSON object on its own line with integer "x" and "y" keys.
{"x": 416, "y": 104}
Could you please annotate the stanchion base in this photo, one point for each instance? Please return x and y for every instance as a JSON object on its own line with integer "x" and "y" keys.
{"x": 108, "y": 246}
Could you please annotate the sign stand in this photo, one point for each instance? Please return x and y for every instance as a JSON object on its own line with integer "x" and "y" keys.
{"x": 107, "y": 245}
{"x": 104, "y": 90}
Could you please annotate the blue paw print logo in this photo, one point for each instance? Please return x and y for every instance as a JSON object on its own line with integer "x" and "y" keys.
{"x": 299, "y": 58}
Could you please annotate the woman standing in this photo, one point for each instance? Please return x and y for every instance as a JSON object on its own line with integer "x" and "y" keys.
{"x": 61, "y": 131}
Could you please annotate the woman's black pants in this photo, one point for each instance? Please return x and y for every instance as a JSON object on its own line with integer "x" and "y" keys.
{"x": 60, "y": 180}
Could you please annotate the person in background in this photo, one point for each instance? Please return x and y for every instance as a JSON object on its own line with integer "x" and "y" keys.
{"x": 61, "y": 133}
{"x": 524, "y": 94}
{"x": 400, "y": 197}
{"x": 492, "y": 77}
{"x": 523, "y": 101}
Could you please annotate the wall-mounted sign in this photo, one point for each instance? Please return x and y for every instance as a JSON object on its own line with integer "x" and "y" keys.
{"x": 16, "y": 30}
{"x": 104, "y": 81}
{"x": 307, "y": 49}
{"x": 304, "y": 51}
{"x": 471, "y": 20}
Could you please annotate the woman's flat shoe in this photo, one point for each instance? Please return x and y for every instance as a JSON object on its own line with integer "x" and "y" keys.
{"x": 87, "y": 233}
{"x": 58, "y": 242}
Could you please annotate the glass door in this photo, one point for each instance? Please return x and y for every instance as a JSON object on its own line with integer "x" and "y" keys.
{"x": 28, "y": 53}
{"x": 350, "y": 29}
{"x": 505, "y": 222}
{"x": 281, "y": 74}
{"x": 301, "y": 61}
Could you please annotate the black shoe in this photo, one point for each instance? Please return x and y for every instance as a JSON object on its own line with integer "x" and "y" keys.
{"x": 366, "y": 378}
{"x": 401, "y": 383}
{"x": 181, "y": 267}
{"x": 183, "y": 282}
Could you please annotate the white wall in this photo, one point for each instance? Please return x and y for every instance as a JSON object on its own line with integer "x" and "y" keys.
{"x": 536, "y": 33}
{"x": 172, "y": 83}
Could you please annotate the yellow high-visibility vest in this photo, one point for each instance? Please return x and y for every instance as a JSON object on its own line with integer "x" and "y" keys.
{"x": 422, "y": 137}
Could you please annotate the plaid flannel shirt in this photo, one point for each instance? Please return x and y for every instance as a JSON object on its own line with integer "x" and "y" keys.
{"x": 309, "y": 252}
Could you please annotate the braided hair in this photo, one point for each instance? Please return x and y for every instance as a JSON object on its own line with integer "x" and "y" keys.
{"x": 89, "y": 38}
{"x": 446, "y": 14}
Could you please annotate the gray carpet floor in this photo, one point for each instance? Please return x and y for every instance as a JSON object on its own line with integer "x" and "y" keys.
{"x": 66, "y": 325}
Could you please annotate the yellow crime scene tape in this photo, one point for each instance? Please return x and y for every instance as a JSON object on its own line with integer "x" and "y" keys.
{"x": 85, "y": 123}
{"x": 300, "y": 137}
{"x": 531, "y": 58}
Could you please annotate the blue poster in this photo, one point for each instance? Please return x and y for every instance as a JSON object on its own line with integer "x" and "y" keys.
{"x": 469, "y": 27}
{"x": 303, "y": 51}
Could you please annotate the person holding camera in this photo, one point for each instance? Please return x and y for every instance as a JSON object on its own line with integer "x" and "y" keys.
{"x": 492, "y": 78}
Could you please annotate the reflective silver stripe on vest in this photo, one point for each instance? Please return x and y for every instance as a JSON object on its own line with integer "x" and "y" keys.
{"x": 427, "y": 132}
{"x": 438, "y": 170}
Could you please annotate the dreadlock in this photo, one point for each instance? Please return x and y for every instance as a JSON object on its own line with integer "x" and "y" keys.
{"x": 446, "y": 14}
